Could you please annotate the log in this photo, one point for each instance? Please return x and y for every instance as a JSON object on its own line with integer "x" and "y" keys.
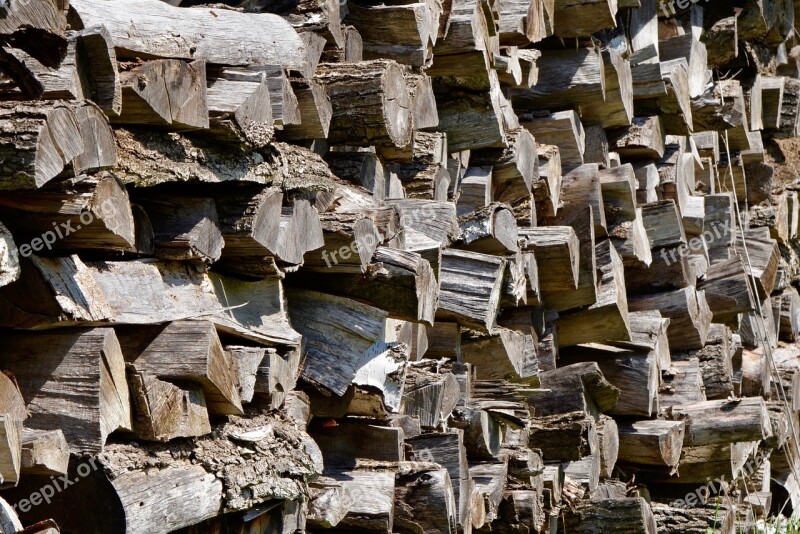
{"x": 428, "y": 395}
{"x": 218, "y": 36}
{"x": 428, "y": 487}
{"x": 688, "y": 311}
{"x": 581, "y": 185}
{"x": 628, "y": 516}
{"x": 164, "y": 411}
{"x": 39, "y": 141}
{"x": 644, "y": 139}
{"x": 514, "y": 169}
{"x": 239, "y": 105}
{"x": 566, "y": 437}
{"x": 574, "y": 387}
{"x": 470, "y": 287}
{"x": 652, "y": 443}
{"x": 151, "y": 351}
{"x": 185, "y": 228}
{"x": 10, "y": 449}
{"x": 563, "y": 129}
{"x": 607, "y": 318}
{"x": 608, "y": 440}
{"x": 489, "y": 230}
{"x": 314, "y": 109}
{"x": 401, "y": 283}
{"x": 319, "y": 16}
{"x": 508, "y": 355}
{"x": 723, "y": 421}
{"x": 374, "y": 93}
{"x": 557, "y": 252}
{"x": 44, "y": 452}
{"x": 165, "y": 92}
{"x": 580, "y": 19}
{"x": 50, "y": 367}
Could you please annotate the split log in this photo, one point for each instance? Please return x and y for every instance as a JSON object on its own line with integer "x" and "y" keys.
{"x": 219, "y": 36}
{"x": 653, "y": 443}
{"x": 514, "y": 169}
{"x": 51, "y": 140}
{"x": 48, "y": 368}
{"x": 314, "y": 108}
{"x": 629, "y": 516}
{"x": 581, "y": 220}
{"x": 490, "y": 230}
{"x": 608, "y": 441}
{"x": 727, "y": 289}
{"x": 688, "y": 311}
{"x": 401, "y": 283}
{"x": 581, "y": 185}
{"x": 562, "y": 129}
{"x": 364, "y": 354}
{"x": 374, "y": 93}
{"x": 239, "y": 105}
{"x": 644, "y": 139}
{"x": 166, "y": 92}
{"x": 507, "y": 355}
{"x": 573, "y": 388}
{"x": 585, "y": 472}
{"x": 10, "y": 449}
{"x": 184, "y": 228}
{"x": 424, "y": 486}
{"x": 723, "y": 421}
{"x": 607, "y": 318}
{"x": 566, "y": 437}
{"x": 152, "y": 350}
{"x": 44, "y": 452}
{"x": 164, "y": 411}
{"x": 470, "y": 287}
{"x": 583, "y": 19}
{"x": 428, "y": 396}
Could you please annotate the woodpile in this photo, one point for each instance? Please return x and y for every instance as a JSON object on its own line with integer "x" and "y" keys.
{"x": 516, "y": 266}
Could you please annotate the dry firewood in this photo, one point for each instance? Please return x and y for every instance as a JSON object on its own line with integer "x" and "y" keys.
{"x": 475, "y": 120}
{"x": 401, "y": 283}
{"x": 239, "y": 105}
{"x": 249, "y": 218}
{"x": 772, "y": 88}
{"x": 44, "y": 452}
{"x": 656, "y": 443}
{"x": 607, "y": 318}
{"x": 697, "y": 518}
{"x": 164, "y": 411}
{"x": 609, "y": 443}
{"x": 569, "y": 78}
{"x": 51, "y": 140}
{"x": 582, "y": 186}
{"x": 514, "y": 169}
{"x": 265, "y": 371}
{"x": 763, "y": 258}
{"x": 489, "y": 480}
{"x": 649, "y": 333}
{"x": 344, "y": 445}
{"x": 217, "y": 36}
{"x": 9, "y": 257}
{"x": 164, "y": 292}
{"x": 688, "y": 311}
{"x": 236, "y": 468}
{"x": 360, "y": 168}
{"x": 447, "y": 449}
{"x": 424, "y": 486}
{"x": 152, "y": 350}
{"x": 10, "y": 449}
{"x": 726, "y": 286}
{"x": 319, "y": 16}
{"x": 470, "y": 288}
{"x": 49, "y": 366}
{"x": 627, "y": 516}
{"x": 314, "y": 108}
{"x": 375, "y": 92}
{"x": 644, "y": 139}
{"x": 566, "y": 437}
{"x": 635, "y": 373}
{"x": 166, "y": 92}
{"x": 585, "y": 472}
{"x": 663, "y": 224}
{"x": 723, "y": 421}
{"x": 372, "y": 497}
{"x": 489, "y": 230}
{"x": 557, "y": 252}
{"x": 562, "y": 129}
{"x": 92, "y": 214}
{"x": 508, "y": 355}
{"x": 429, "y": 396}
{"x": 366, "y": 354}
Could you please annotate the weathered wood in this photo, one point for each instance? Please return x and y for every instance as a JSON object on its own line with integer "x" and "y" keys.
{"x": 44, "y": 452}
{"x": 314, "y": 109}
{"x": 557, "y": 252}
{"x": 166, "y": 92}
{"x": 144, "y": 28}
{"x": 627, "y": 516}
{"x": 239, "y": 105}
{"x": 470, "y": 287}
{"x": 424, "y": 486}
{"x": 489, "y": 230}
{"x": 371, "y": 103}
{"x": 563, "y": 129}
{"x": 656, "y": 443}
{"x": 644, "y": 139}
{"x": 607, "y": 318}
{"x": 688, "y": 311}
{"x": 152, "y": 350}
{"x": 164, "y": 411}
{"x": 723, "y": 421}
{"x": 507, "y": 355}
{"x": 567, "y": 437}
{"x": 50, "y": 367}
{"x": 581, "y": 19}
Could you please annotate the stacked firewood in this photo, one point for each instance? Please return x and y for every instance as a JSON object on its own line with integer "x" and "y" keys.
{"x": 451, "y": 266}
